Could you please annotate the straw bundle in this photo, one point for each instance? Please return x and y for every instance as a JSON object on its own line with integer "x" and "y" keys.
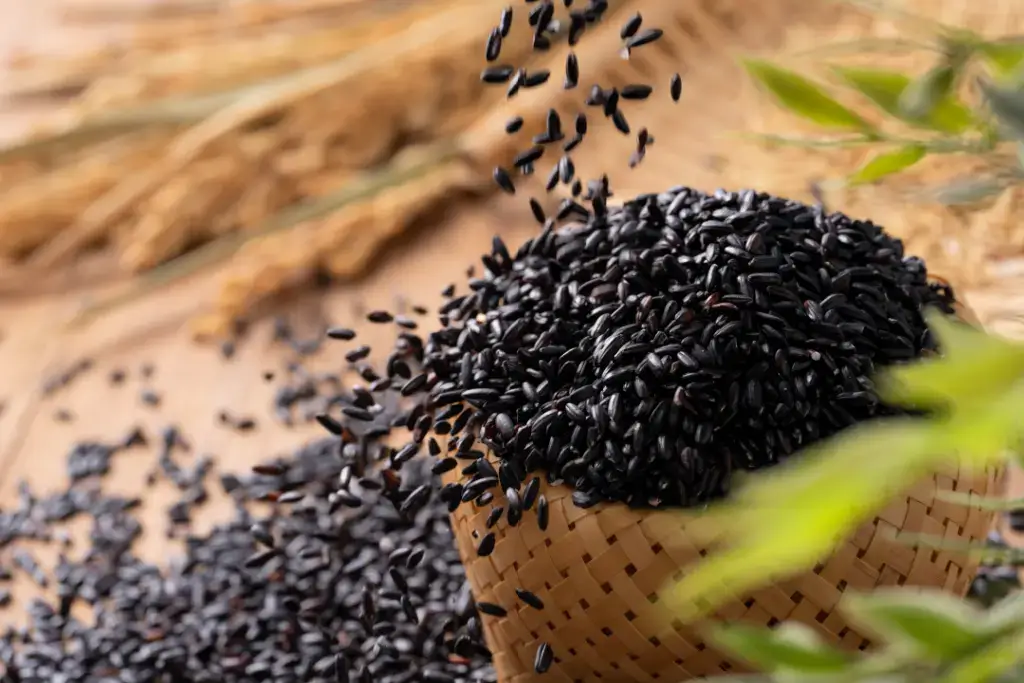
{"x": 293, "y": 138}
{"x": 294, "y": 173}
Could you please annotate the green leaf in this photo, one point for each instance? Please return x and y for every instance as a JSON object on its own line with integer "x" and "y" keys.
{"x": 984, "y": 429}
{"x": 885, "y": 88}
{"x": 980, "y": 502}
{"x": 967, "y": 191}
{"x": 989, "y": 663}
{"x": 802, "y": 97}
{"x": 1003, "y": 56}
{"x": 919, "y": 99}
{"x": 791, "y": 646}
{"x": 784, "y": 521}
{"x": 1007, "y": 105}
{"x": 930, "y": 623}
{"x": 975, "y": 367}
{"x": 887, "y": 163}
{"x": 1007, "y": 614}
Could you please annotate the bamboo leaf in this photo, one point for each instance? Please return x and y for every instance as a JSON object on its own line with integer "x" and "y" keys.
{"x": 1002, "y": 56}
{"x": 919, "y": 99}
{"x": 981, "y": 502}
{"x": 930, "y": 624}
{"x": 802, "y": 97}
{"x": 983, "y": 431}
{"x": 1007, "y": 105}
{"x": 983, "y": 553}
{"x": 988, "y": 663}
{"x": 887, "y": 163}
{"x": 967, "y": 191}
{"x": 885, "y": 88}
{"x": 788, "y": 519}
{"x": 974, "y": 368}
{"x": 791, "y": 646}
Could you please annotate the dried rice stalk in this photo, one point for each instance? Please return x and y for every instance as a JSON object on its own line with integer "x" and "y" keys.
{"x": 201, "y": 64}
{"x": 34, "y": 207}
{"x": 389, "y": 76}
{"x": 342, "y": 244}
{"x": 282, "y": 260}
{"x": 265, "y": 266}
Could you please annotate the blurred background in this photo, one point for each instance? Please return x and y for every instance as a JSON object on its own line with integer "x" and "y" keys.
{"x": 174, "y": 171}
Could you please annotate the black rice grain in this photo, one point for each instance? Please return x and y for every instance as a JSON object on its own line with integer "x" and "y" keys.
{"x": 545, "y": 656}
{"x": 572, "y": 72}
{"x": 505, "y": 23}
{"x": 644, "y": 37}
{"x": 493, "y": 49}
{"x": 504, "y": 180}
{"x": 529, "y": 598}
{"x": 676, "y": 87}
{"x": 536, "y": 78}
{"x": 619, "y": 119}
{"x": 486, "y": 545}
{"x": 636, "y": 91}
{"x": 631, "y": 26}
{"x": 649, "y": 351}
{"x": 341, "y": 333}
{"x": 490, "y": 609}
{"x": 497, "y": 74}
{"x": 380, "y": 317}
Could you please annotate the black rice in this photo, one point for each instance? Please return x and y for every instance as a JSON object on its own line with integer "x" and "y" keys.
{"x": 649, "y": 351}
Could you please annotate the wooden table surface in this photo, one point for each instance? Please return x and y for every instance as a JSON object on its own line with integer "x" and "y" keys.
{"x": 194, "y": 381}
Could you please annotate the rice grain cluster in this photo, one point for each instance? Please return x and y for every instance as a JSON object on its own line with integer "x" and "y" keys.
{"x": 642, "y": 354}
{"x": 307, "y": 582}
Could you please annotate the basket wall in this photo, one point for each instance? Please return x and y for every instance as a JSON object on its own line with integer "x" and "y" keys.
{"x": 602, "y": 574}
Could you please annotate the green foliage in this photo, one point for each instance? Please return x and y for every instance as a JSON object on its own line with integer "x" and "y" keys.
{"x": 925, "y": 637}
{"x": 784, "y": 521}
{"x": 789, "y": 518}
{"x": 801, "y": 96}
{"x": 887, "y": 163}
{"x": 887, "y": 89}
{"x": 924, "y": 114}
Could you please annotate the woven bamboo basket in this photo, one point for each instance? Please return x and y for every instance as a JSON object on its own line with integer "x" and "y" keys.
{"x": 603, "y": 574}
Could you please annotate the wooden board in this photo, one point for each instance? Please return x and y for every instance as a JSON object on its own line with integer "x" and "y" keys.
{"x": 195, "y": 382}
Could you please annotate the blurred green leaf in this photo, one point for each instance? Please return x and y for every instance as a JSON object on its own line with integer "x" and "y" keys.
{"x": 988, "y": 663}
{"x": 988, "y": 554}
{"x": 802, "y": 97}
{"x": 981, "y": 502}
{"x": 1003, "y": 56}
{"x": 791, "y": 646}
{"x": 967, "y": 191}
{"x": 786, "y": 519}
{"x": 985, "y": 429}
{"x": 1007, "y": 105}
{"x": 932, "y": 624}
{"x": 919, "y": 99}
{"x": 887, "y": 163}
{"x": 1007, "y": 615}
{"x": 885, "y": 88}
{"x": 973, "y": 368}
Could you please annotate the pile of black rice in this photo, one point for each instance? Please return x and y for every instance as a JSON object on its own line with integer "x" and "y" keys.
{"x": 638, "y": 354}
